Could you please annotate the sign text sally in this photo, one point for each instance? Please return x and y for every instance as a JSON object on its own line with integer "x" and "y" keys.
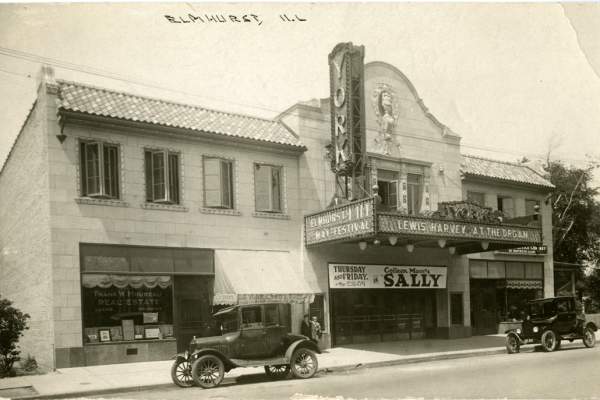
{"x": 350, "y": 220}
{"x": 357, "y": 276}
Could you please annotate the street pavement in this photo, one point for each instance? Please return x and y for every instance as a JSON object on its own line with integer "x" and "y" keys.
{"x": 572, "y": 372}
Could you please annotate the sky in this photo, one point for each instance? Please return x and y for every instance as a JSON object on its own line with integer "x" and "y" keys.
{"x": 512, "y": 79}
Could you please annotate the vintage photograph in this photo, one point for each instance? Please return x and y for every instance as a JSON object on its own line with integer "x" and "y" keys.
{"x": 303, "y": 201}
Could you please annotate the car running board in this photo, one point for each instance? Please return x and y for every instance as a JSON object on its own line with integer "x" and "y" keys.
{"x": 259, "y": 363}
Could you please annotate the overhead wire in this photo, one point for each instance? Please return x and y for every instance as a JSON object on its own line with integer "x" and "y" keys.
{"x": 34, "y": 58}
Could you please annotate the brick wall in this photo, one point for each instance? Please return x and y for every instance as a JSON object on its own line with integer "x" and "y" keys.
{"x": 25, "y": 263}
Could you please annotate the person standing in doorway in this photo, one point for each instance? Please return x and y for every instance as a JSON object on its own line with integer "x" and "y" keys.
{"x": 315, "y": 330}
{"x": 305, "y": 328}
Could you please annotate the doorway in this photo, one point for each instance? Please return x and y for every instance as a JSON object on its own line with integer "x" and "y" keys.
{"x": 192, "y": 314}
{"x": 484, "y": 306}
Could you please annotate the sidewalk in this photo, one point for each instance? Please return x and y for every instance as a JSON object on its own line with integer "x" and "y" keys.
{"x": 136, "y": 376}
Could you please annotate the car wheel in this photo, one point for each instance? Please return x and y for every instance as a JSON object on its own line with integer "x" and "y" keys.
{"x": 512, "y": 344}
{"x": 208, "y": 371}
{"x": 549, "y": 341}
{"x": 277, "y": 371}
{"x": 181, "y": 373}
{"x": 304, "y": 363}
{"x": 589, "y": 337}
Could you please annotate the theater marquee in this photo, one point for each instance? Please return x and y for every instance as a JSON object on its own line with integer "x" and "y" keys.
{"x": 352, "y": 220}
{"x": 361, "y": 276}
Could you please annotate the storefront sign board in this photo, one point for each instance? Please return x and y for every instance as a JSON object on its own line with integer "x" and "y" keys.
{"x": 365, "y": 276}
{"x": 408, "y": 225}
{"x": 351, "y": 220}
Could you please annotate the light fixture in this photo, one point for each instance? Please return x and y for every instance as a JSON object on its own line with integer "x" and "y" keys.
{"x": 410, "y": 247}
{"x": 451, "y": 250}
{"x": 362, "y": 245}
{"x": 376, "y": 242}
{"x": 393, "y": 240}
{"x": 442, "y": 243}
{"x": 485, "y": 244}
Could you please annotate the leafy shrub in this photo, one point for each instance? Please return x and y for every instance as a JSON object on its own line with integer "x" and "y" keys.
{"x": 12, "y": 324}
{"x": 29, "y": 364}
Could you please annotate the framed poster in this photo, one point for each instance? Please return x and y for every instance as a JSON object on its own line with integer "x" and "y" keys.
{"x": 152, "y": 333}
{"x": 128, "y": 329}
{"x": 104, "y": 335}
{"x": 150, "y": 317}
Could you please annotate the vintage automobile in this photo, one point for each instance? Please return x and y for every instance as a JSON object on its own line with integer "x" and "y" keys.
{"x": 548, "y": 322}
{"x": 251, "y": 335}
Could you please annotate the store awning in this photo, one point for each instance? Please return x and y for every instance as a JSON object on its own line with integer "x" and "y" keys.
{"x": 521, "y": 284}
{"x": 249, "y": 277}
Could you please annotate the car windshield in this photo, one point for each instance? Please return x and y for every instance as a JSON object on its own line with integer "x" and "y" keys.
{"x": 542, "y": 309}
{"x": 227, "y": 321}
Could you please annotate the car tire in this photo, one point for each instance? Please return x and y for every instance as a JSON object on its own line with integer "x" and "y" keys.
{"x": 589, "y": 337}
{"x": 181, "y": 373}
{"x": 208, "y": 371}
{"x": 304, "y": 363}
{"x": 512, "y": 344}
{"x": 277, "y": 371}
{"x": 549, "y": 341}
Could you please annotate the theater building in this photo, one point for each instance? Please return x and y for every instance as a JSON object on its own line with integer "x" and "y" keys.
{"x": 125, "y": 221}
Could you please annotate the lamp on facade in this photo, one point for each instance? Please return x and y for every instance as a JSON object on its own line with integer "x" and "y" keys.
{"x": 410, "y": 247}
{"x": 393, "y": 240}
{"x": 451, "y": 250}
{"x": 442, "y": 243}
{"x": 485, "y": 244}
{"x": 362, "y": 245}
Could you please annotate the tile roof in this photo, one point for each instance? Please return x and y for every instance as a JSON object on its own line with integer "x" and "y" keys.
{"x": 502, "y": 170}
{"x": 108, "y": 103}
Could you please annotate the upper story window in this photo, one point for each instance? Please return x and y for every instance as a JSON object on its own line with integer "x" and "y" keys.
{"x": 268, "y": 188}
{"x": 530, "y": 206}
{"x": 162, "y": 176}
{"x": 414, "y": 192}
{"x": 506, "y": 205}
{"x": 218, "y": 183}
{"x": 476, "y": 197}
{"x": 99, "y": 169}
{"x": 387, "y": 182}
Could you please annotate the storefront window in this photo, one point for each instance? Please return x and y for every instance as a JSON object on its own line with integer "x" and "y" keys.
{"x": 128, "y": 306}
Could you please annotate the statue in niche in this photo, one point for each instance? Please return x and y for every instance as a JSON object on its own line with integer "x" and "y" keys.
{"x": 386, "y": 110}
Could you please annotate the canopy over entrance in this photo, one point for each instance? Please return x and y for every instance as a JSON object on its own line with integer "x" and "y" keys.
{"x": 249, "y": 277}
{"x": 464, "y": 226}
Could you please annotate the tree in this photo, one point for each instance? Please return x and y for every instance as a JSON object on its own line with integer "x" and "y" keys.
{"x": 12, "y": 324}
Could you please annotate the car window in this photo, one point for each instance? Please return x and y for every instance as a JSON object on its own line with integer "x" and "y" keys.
{"x": 271, "y": 315}
{"x": 562, "y": 305}
{"x": 251, "y": 317}
{"x": 229, "y": 323}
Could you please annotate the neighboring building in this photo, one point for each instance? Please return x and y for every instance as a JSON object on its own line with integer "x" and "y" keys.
{"x": 126, "y": 220}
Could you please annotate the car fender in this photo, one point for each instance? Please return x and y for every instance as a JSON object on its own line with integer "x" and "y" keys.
{"x": 513, "y": 332}
{"x": 591, "y": 325}
{"x": 301, "y": 343}
{"x": 201, "y": 352}
{"x": 182, "y": 356}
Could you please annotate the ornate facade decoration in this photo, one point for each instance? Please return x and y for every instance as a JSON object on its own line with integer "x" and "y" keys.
{"x": 387, "y": 111}
{"x": 467, "y": 211}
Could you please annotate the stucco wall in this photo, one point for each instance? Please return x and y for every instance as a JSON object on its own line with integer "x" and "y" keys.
{"x": 25, "y": 264}
{"x": 129, "y": 223}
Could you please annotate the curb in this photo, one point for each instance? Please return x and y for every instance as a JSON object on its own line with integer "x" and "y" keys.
{"x": 341, "y": 368}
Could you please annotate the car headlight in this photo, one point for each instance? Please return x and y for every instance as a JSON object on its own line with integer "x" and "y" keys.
{"x": 536, "y": 329}
{"x": 519, "y": 331}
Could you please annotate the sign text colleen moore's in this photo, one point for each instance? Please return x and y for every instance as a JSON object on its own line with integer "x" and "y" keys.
{"x": 350, "y": 220}
{"x": 358, "y": 276}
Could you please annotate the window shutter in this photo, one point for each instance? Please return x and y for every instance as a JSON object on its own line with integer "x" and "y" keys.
{"x": 158, "y": 176}
{"x": 275, "y": 189}
{"x": 226, "y": 184}
{"x": 148, "y": 169}
{"x": 508, "y": 207}
{"x": 212, "y": 182}
{"x": 92, "y": 161}
{"x": 261, "y": 187}
{"x": 111, "y": 170}
{"x": 174, "y": 178}
{"x": 83, "y": 169}
{"x": 393, "y": 195}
